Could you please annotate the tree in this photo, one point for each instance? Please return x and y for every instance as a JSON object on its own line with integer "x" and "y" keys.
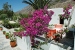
{"x": 6, "y": 7}
{"x": 37, "y": 4}
{"x": 7, "y": 10}
{"x": 1, "y": 12}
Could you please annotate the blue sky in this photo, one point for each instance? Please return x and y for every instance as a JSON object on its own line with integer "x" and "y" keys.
{"x": 15, "y": 4}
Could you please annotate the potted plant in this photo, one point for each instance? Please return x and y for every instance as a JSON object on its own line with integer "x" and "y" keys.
{"x": 66, "y": 14}
{"x": 7, "y": 35}
{"x": 4, "y": 32}
{"x": 57, "y": 37}
{"x": 1, "y": 28}
{"x": 13, "y": 40}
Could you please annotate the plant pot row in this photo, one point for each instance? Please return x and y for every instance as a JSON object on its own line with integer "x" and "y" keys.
{"x": 12, "y": 43}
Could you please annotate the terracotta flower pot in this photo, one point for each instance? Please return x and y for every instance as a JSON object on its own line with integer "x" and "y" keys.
{"x": 4, "y": 32}
{"x": 13, "y": 43}
{"x": 7, "y": 37}
{"x": 1, "y": 28}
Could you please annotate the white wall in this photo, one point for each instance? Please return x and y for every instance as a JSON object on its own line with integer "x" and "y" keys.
{"x": 73, "y": 18}
{"x": 55, "y": 17}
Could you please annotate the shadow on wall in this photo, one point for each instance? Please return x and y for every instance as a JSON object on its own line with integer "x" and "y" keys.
{"x": 69, "y": 34}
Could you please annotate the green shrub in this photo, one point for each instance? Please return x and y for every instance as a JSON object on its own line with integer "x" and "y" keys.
{"x": 7, "y": 34}
{"x": 3, "y": 16}
{"x": 9, "y": 26}
{"x": 20, "y": 29}
{"x": 12, "y": 37}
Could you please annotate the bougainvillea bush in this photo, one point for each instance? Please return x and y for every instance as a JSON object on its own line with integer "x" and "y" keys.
{"x": 66, "y": 11}
{"x": 37, "y": 24}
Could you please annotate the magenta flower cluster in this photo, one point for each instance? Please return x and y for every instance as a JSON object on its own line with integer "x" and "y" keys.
{"x": 66, "y": 14}
{"x": 37, "y": 24}
{"x": 20, "y": 34}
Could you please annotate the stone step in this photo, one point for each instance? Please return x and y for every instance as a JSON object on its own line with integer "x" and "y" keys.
{"x": 4, "y": 45}
{"x": 1, "y": 39}
{"x": 16, "y": 48}
{"x": 1, "y": 33}
{"x": 4, "y": 40}
{"x": 41, "y": 38}
{"x": 2, "y": 36}
{"x": 7, "y": 48}
{"x": 63, "y": 46}
{"x": 66, "y": 47}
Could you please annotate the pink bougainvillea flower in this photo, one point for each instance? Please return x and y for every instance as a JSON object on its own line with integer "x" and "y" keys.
{"x": 38, "y": 23}
{"x": 66, "y": 14}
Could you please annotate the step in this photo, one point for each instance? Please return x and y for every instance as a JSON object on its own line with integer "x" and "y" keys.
{"x": 4, "y": 45}
{"x": 16, "y": 48}
{"x": 2, "y": 36}
{"x": 1, "y": 39}
{"x": 61, "y": 45}
{"x": 7, "y": 48}
{"x": 1, "y": 32}
{"x": 10, "y": 48}
{"x": 39, "y": 40}
{"x": 4, "y": 40}
{"x": 42, "y": 38}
